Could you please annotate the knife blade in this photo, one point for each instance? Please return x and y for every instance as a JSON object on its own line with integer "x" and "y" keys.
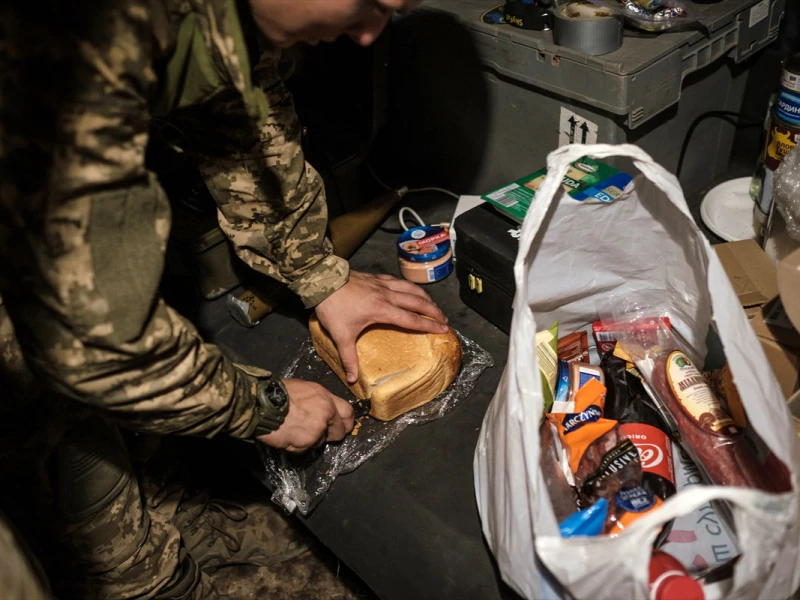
{"x": 361, "y": 408}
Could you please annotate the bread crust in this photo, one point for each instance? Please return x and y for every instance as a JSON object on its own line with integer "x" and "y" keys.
{"x": 399, "y": 370}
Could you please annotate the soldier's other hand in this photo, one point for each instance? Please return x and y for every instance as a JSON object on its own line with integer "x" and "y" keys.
{"x": 371, "y": 299}
{"x": 315, "y": 416}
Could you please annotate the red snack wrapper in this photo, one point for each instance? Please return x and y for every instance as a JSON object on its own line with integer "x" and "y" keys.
{"x": 607, "y": 332}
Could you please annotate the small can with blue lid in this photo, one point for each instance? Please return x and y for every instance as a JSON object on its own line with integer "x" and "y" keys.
{"x": 425, "y": 254}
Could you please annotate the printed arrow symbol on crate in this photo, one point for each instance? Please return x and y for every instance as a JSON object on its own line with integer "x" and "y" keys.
{"x": 572, "y": 124}
{"x": 585, "y": 130}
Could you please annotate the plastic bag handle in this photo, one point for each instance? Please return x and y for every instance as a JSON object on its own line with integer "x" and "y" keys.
{"x": 558, "y": 162}
{"x": 749, "y": 505}
{"x": 691, "y": 499}
{"x": 523, "y": 328}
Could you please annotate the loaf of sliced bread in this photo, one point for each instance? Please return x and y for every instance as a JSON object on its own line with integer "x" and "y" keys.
{"x": 399, "y": 370}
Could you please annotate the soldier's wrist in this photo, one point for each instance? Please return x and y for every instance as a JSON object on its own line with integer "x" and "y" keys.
{"x": 324, "y": 279}
{"x": 271, "y": 406}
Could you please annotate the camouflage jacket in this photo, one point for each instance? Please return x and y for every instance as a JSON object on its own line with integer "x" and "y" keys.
{"x": 84, "y": 224}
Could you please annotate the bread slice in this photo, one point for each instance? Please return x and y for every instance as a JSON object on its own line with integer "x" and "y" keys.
{"x": 399, "y": 370}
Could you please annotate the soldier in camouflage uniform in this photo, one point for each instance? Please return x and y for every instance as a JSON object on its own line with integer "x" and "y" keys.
{"x": 87, "y": 343}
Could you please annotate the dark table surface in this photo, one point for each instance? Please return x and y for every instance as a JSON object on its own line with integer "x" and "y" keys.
{"x": 406, "y": 521}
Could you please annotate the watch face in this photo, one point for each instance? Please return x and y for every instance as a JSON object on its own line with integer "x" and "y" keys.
{"x": 276, "y": 395}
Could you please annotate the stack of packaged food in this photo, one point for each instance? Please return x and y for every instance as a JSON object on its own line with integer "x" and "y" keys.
{"x": 612, "y": 432}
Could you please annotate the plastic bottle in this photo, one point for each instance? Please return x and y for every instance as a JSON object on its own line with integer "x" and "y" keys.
{"x": 670, "y": 581}
{"x": 784, "y": 118}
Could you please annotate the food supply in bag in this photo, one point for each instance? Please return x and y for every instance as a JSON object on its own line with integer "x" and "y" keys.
{"x": 562, "y": 384}
{"x": 580, "y": 374}
{"x": 605, "y": 464}
{"x": 586, "y": 426}
{"x": 640, "y": 421}
{"x": 631, "y": 503}
{"x": 574, "y": 347}
{"x": 607, "y": 331}
{"x": 562, "y": 495}
{"x": 721, "y": 382}
{"x": 708, "y": 432}
{"x": 669, "y": 580}
{"x": 588, "y": 522}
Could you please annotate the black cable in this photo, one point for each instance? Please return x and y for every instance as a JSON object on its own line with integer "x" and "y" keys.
{"x": 725, "y": 115}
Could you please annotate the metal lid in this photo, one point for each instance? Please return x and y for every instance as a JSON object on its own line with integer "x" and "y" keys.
{"x": 423, "y": 244}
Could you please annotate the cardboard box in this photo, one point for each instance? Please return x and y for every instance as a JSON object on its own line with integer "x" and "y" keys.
{"x": 771, "y": 322}
{"x": 789, "y": 286}
{"x": 755, "y": 280}
{"x": 785, "y": 365}
{"x": 751, "y": 272}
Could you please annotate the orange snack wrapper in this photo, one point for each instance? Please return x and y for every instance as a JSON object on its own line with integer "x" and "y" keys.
{"x": 580, "y": 429}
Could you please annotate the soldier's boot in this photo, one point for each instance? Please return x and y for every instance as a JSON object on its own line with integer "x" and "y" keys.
{"x": 114, "y": 547}
{"x": 219, "y": 533}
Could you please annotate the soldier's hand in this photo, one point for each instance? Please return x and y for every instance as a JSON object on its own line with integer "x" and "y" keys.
{"x": 315, "y": 416}
{"x": 371, "y": 299}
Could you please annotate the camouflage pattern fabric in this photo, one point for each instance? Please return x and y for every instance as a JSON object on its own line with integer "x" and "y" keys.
{"x": 112, "y": 544}
{"x": 271, "y": 201}
{"x": 83, "y": 231}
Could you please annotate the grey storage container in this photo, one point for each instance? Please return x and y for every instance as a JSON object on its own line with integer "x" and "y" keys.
{"x": 475, "y": 106}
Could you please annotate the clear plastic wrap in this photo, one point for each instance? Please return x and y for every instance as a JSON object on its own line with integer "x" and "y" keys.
{"x": 708, "y": 433}
{"x": 787, "y": 192}
{"x": 650, "y": 15}
{"x": 299, "y": 482}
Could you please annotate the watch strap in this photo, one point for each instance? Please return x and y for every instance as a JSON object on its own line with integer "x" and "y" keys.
{"x": 270, "y": 416}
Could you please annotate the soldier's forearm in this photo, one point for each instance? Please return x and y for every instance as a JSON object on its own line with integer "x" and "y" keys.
{"x": 271, "y": 202}
{"x": 166, "y": 381}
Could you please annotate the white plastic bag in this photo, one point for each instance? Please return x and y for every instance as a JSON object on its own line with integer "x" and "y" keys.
{"x": 572, "y": 256}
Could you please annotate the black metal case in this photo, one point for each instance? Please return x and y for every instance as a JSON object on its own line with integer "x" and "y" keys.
{"x": 486, "y": 247}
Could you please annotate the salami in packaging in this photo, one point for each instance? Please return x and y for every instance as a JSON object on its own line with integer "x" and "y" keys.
{"x": 708, "y": 433}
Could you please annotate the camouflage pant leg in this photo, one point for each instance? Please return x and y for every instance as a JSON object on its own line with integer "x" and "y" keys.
{"x": 117, "y": 547}
{"x": 74, "y": 481}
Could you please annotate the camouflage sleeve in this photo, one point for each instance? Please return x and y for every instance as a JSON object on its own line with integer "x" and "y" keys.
{"x": 84, "y": 226}
{"x": 271, "y": 201}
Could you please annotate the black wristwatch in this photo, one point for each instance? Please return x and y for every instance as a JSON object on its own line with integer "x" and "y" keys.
{"x": 272, "y": 403}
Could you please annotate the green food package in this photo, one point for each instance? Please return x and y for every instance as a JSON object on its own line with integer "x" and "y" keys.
{"x": 586, "y": 179}
{"x": 547, "y": 356}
